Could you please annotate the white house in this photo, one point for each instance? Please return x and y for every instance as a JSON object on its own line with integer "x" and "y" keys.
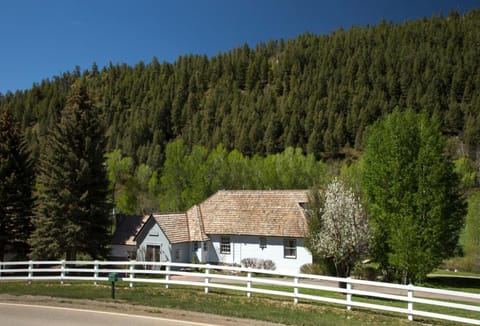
{"x": 231, "y": 226}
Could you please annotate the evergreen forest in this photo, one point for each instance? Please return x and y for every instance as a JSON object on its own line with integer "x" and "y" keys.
{"x": 316, "y": 92}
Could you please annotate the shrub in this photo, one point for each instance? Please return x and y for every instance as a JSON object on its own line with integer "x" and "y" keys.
{"x": 365, "y": 272}
{"x": 258, "y": 263}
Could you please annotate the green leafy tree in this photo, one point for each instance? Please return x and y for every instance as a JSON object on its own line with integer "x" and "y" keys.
{"x": 415, "y": 207}
{"x": 470, "y": 238}
{"x": 120, "y": 173}
{"x": 16, "y": 183}
{"x": 72, "y": 213}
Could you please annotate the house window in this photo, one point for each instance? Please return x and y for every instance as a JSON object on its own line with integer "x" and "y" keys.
{"x": 205, "y": 247}
{"x": 225, "y": 245}
{"x": 153, "y": 253}
{"x": 290, "y": 248}
{"x": 195, "y": 246}
{"x": 177, "y": 254}
{"x": 263, "y": 242}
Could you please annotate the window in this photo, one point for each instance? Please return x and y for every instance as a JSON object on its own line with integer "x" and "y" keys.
{"x": 177, "y": 254}
{"x": 205, "y": 246}
{"x": 290, "y": 248}
{"x": 225, "y": 245}
{"x": 153, "y": 253}
{"x": 195, "y": 246}
{"x": 263, "y": 242}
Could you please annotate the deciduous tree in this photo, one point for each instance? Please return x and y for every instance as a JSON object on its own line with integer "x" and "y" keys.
{"x": 414, "y": 202}
{"x": 338, "y": 226}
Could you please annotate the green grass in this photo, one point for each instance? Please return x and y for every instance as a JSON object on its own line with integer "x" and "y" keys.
{"x": 218, "y": 301}
{"x": 451, "y": 273}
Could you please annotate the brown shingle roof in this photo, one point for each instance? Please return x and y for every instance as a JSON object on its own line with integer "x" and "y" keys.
{"x": 174, "y": 226}
{"x": 239, "y": 212}
{"x": 255, "y": 212}
{"x": 196, "y": 227}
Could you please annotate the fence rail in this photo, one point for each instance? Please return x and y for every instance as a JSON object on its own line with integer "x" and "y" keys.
{"x": 354, "y": 293}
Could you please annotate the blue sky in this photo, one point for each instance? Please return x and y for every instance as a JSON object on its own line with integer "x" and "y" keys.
{"x": 42, "y": 39}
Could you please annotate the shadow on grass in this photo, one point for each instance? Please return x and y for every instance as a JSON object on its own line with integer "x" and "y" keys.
{"x": 454, "y": 282}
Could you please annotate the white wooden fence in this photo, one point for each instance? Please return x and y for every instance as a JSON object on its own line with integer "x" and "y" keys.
{"x": 356, "y": 293}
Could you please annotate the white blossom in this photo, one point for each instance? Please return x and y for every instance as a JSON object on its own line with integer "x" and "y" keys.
{"x": 344, "y": 232}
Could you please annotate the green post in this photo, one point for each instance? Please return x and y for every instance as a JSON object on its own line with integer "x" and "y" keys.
{"x": 112, "y": 277}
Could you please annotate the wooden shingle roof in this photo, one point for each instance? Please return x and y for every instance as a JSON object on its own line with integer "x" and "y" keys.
{"x": 277, "y": 213}
{"x": 255, "y": 212}
{"x": 174, "y": 226}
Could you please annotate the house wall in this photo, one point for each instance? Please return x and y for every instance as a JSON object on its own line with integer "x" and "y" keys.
{"x": 123, "y": 252}
{"x": 249, "y": 247}
{"x": 152, "y": 234}
{"x": 181, "y": 252}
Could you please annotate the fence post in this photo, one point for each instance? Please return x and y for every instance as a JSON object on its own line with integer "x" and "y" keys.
{"x": 132, "y": 272}
{"x": 249, "y": 284}
{"x": 30, "y": 272}
{"x": 295, "y": 290}
{"x": 349, "y": 294}
{"x": 167, "y": 276}
{"x": 95, "y": 272}
{"x": 62, "y": 271}
{"x": 410, "y": 302}
{"x": 207, "y": 279}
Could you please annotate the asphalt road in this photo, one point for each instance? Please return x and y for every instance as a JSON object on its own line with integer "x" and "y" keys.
{"x": 14, "y": 314}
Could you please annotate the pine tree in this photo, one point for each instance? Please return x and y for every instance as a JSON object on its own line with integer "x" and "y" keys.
{"x": 16, "y": 182}
{"x": 72, "y": 212}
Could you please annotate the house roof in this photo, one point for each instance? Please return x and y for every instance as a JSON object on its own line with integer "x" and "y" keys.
{"x": 174, "y": 226}
{"x": 239, "y": 212}
{"x": 255, "y": 212}
{"x": 126, "y": 229}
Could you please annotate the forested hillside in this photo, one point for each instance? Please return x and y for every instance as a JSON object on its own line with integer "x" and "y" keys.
{"x": 316, "y": 92}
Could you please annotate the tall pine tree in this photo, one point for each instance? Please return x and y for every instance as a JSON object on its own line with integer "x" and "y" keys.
{"x": 16, "y": 182}
{"x": 72, "y": 212}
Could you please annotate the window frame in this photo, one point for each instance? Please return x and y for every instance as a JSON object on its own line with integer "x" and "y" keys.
{"x": 290, "y": 248}
{"x": 225, "y": 245}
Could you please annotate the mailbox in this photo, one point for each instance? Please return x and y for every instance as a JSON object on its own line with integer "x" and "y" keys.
{"x": 112, "y": 277}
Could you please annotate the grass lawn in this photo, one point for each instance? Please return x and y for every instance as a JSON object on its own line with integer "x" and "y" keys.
{"x": 220, "y": 302}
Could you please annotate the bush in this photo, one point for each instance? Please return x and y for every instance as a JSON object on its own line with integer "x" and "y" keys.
{"x": 314, "y": 269}
{"x": 321, "y": 267}
{"x": 365, "y": 272}
{"x": 258, "y": 263}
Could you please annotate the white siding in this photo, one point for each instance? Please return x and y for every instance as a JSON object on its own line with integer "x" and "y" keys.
{"x": 249, "y": 247}
{"x": 183, "y": 251}
{"x": 152, "y": 235}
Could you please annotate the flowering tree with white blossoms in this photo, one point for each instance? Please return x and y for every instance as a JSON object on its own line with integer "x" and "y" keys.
{"x": 338, "y": 226}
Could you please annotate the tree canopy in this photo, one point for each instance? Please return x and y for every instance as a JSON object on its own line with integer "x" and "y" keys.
{"x": 338, "y": 226}
{"x": 72, "y": 212}
{"x": 315, "y": 92}
{"x": 414, "y": 203}
{"x": 16, "y": 185}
